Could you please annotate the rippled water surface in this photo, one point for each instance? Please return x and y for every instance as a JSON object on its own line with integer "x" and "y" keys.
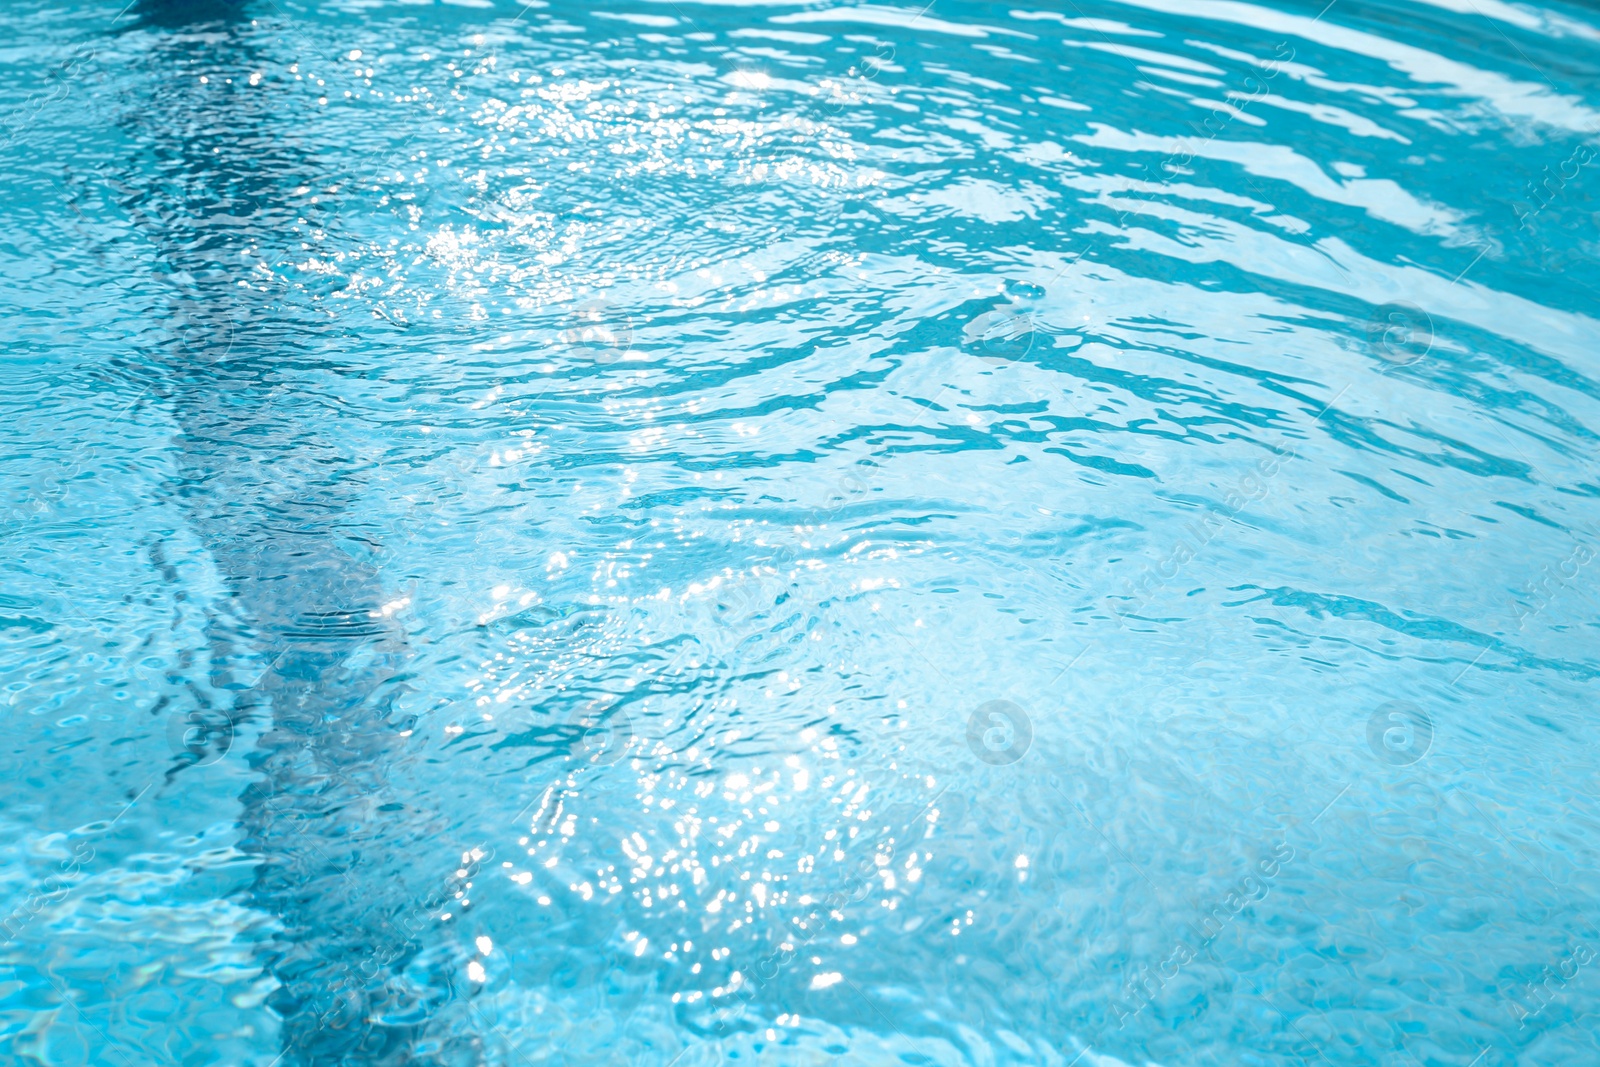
{"x": 799, "y": 533}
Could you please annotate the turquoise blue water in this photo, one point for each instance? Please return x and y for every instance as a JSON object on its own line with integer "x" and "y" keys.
{"x": 796, "y": 533}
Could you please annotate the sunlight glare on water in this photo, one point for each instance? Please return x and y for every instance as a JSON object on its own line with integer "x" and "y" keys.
{"x": 799, "y": 532}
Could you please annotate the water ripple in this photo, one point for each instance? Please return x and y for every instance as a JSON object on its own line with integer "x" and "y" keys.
{"x": 674, "y": 532}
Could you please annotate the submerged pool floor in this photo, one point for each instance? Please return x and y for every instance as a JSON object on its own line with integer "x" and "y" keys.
{"x": 671, "y": 533}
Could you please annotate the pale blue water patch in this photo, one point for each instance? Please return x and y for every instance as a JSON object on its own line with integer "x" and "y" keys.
{"x": 672, "y": 533}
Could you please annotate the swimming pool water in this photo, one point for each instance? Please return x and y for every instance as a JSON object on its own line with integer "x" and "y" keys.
{"x": 679, "y": 533}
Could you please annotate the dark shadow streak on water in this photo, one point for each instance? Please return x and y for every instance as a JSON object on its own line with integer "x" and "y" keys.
{"x": 268, "y": 492}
